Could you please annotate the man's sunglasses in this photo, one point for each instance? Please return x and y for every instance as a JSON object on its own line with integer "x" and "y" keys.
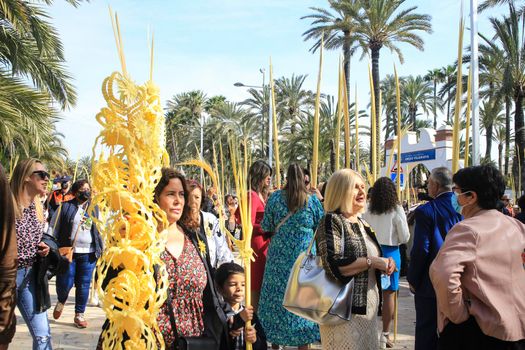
{"x": 42, "y": 174}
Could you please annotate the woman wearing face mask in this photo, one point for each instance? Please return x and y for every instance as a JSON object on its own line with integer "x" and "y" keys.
{"x": 28, "y": 181}
{"x": 478, "y": 274}
{"x": 73, "y": 227}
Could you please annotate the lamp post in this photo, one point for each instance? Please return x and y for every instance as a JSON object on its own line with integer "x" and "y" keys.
{"x": 270, "y": 117}
{"x": 475, "y": 81}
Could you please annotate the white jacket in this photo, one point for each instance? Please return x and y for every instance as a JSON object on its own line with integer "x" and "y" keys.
{"x": 391, "y": 228}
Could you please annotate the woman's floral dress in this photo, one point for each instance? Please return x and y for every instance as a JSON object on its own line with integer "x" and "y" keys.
{"x": 187, "y": 280}
{"x": 293, "y": 237}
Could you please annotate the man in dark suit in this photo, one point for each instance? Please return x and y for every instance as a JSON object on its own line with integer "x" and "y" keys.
{"x": 432, "y": 222}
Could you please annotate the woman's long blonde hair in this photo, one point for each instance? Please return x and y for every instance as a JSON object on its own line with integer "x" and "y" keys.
{"x": 339, "y": 191}
{"x": 23, "y": 170}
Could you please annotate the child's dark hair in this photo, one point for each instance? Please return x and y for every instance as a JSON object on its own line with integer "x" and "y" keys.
{"x": 226, "y": 270}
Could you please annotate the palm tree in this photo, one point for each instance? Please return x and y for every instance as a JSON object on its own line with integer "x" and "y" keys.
{"x": 449, "y": 78}
{"x": 33, "y": 81}
{"x": 491, "y": 118}
{"x": 500, "y": 138}
{"x": 509, "y": 34}
{"x": 292, "y": 100}
{"x": 436, "y": 77}
{"x": 184, "y": 118}
{"x": 258, "y": 105}
{"x": 417, "y": 93}
{"x": 212, "y": 104}
{"x": 382, "y": 23}
{"x": 492, "y": 3}
{"x": 337, "y": 30}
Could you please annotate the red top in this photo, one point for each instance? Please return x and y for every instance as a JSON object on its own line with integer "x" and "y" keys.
{"x": 260, "y": 241}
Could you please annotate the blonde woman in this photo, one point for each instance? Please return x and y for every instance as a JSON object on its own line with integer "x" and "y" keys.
{"x": 349, "y": 250}
{"x": 28, "y": 183}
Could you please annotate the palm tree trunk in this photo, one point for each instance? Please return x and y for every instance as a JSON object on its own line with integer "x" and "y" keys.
{"x": 507, "y": 133}
{"x": 488, "y": 135}
{"x": 387, "y": 130}
{"x": 500, "y": 153}
{"x": 332, "y": 156}
{"x": 448, "y": 103}
{"x": 435, "y": 101}
{"x": 375, "y": 78}
{"x": 519, "y": 132}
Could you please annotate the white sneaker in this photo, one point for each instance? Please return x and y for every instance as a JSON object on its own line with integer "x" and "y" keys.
{"x": 384, "y": 341}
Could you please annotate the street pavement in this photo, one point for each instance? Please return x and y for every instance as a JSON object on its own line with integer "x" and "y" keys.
{"x": 67, "y": 337}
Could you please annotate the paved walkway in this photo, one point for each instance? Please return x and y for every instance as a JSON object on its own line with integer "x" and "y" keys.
{"x": 66, "y": 336}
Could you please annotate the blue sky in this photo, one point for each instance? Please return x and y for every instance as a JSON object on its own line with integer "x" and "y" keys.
{"x": 211, "y": 44}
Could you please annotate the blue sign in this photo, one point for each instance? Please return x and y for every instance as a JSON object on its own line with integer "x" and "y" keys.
{"x": 393, "y": 177}
{"x": 417, "y": 156}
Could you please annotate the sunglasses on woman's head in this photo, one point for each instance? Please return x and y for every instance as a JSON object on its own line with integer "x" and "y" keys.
{"x": 42, "y": 174}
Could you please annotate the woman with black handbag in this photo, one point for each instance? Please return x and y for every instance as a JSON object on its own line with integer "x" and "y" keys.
{"x": 191, "y": 317}
{"x": 358, "y": 257}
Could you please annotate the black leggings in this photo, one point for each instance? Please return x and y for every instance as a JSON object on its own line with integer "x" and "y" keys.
{"x": 468, "y": 335}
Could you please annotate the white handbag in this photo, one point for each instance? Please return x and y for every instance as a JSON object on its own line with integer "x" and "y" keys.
{"x": 311, "y": 294}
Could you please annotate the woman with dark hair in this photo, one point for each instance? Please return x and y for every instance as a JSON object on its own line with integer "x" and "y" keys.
{"x": 231, "y": 203}
{"x": 479, "y": 274}
{"x": 291, "y": 215}
{"x": 29, "y": 181}
{"x": 206, "y": 225}
{"x": 387, "y": 217}
{"x": 8, "y": 263}
{"x": 72, "y": 226}
{"x": 194, "y": 303}
{"x": 259, "y": 177}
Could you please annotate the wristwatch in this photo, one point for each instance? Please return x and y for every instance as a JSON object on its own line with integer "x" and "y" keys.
{"x": 369, "y": 262}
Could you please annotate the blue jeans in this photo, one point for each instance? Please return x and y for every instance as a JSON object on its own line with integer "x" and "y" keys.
{"x": 37, "y": 323}
{"x": 80, "y": 273}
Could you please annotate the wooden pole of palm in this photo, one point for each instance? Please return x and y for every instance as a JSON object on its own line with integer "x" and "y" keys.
{"x": 459, "y": 91}
{"x": 398, "y": 158}
{"x": 315, "y": 155}
{"x": 467, "y": 127}
{"x": 275, "y": 133}
{"x": 346, "y": 114}
{"x": 373, "y": 151}
{"x": 339, "y": 117}
{"x": 398, "y": 177}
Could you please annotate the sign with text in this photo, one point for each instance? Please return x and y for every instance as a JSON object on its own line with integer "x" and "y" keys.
{"x": 417, "y": 156}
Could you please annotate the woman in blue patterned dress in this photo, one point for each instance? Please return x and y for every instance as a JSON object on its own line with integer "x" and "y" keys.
{"x": 292, "y": 215}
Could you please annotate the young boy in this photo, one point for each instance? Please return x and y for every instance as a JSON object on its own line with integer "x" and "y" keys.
{"x": 231, "y": 284}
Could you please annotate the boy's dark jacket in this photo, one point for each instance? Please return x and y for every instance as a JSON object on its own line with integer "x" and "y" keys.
{"x": 260, "y": 343}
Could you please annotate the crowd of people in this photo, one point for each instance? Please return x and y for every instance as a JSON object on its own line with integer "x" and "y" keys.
{"x": 466, "y": 266}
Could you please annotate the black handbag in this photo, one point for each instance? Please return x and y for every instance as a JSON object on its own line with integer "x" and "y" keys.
{"x": 188, "y": 343}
